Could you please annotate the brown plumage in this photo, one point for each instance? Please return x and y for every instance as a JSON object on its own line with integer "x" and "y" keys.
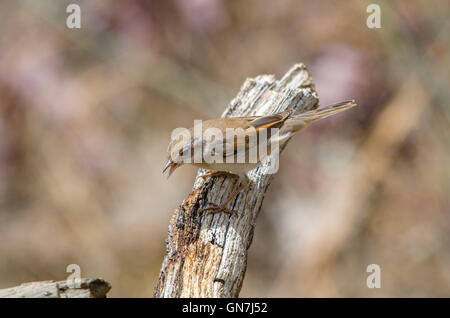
{"x": 227, "y": 150}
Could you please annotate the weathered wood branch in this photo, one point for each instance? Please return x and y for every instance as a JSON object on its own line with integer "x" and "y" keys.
{"x": 207, "y": 254}
{"x": 86, "y": 288}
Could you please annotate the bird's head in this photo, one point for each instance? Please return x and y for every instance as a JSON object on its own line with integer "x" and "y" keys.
{"x": 179, "y": 152}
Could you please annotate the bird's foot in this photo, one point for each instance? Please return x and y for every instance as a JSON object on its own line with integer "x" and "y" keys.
{"x": 214, "y": 208}
{"x": 216, "y": 173}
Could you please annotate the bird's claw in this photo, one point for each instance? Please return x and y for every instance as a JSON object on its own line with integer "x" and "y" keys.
{"x": 216, "y": 173}
{"x": 214, "y": 208}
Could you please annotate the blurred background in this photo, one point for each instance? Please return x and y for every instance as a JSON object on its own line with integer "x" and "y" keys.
{"x": 86, "y": 115}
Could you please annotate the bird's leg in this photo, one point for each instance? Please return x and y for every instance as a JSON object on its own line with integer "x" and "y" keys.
{"x": 222, "y": 208}
{"x": 217, "y": 173}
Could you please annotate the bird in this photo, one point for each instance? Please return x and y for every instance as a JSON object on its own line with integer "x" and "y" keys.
{"x": 235, "y": 156}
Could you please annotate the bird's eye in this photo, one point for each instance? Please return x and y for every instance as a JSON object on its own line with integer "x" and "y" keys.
{"x": 181, "y": 152}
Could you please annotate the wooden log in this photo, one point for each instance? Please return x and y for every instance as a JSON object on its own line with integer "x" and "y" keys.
{"x": 207, "y": 254}
{"x": 86, "y": 288}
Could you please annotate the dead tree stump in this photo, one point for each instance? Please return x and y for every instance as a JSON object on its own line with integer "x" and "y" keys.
{"x": 207, "y": 254}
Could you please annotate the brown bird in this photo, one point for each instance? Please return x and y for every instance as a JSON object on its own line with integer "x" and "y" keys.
{"x": 234, "y": 146}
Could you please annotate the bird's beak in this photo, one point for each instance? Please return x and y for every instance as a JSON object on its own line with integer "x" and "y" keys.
{"x": 172, "y": 165}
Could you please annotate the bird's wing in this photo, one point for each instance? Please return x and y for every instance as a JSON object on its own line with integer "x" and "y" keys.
{"x": 271, "y": 121}
{"x": 254, "y": 125}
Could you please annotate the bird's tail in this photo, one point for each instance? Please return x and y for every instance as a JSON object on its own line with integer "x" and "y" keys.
{"x": 298, "y": 122}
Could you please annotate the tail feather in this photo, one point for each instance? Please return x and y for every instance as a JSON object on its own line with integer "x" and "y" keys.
{"x": 298, "y": 122}
{"x": 327, "y": 111}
